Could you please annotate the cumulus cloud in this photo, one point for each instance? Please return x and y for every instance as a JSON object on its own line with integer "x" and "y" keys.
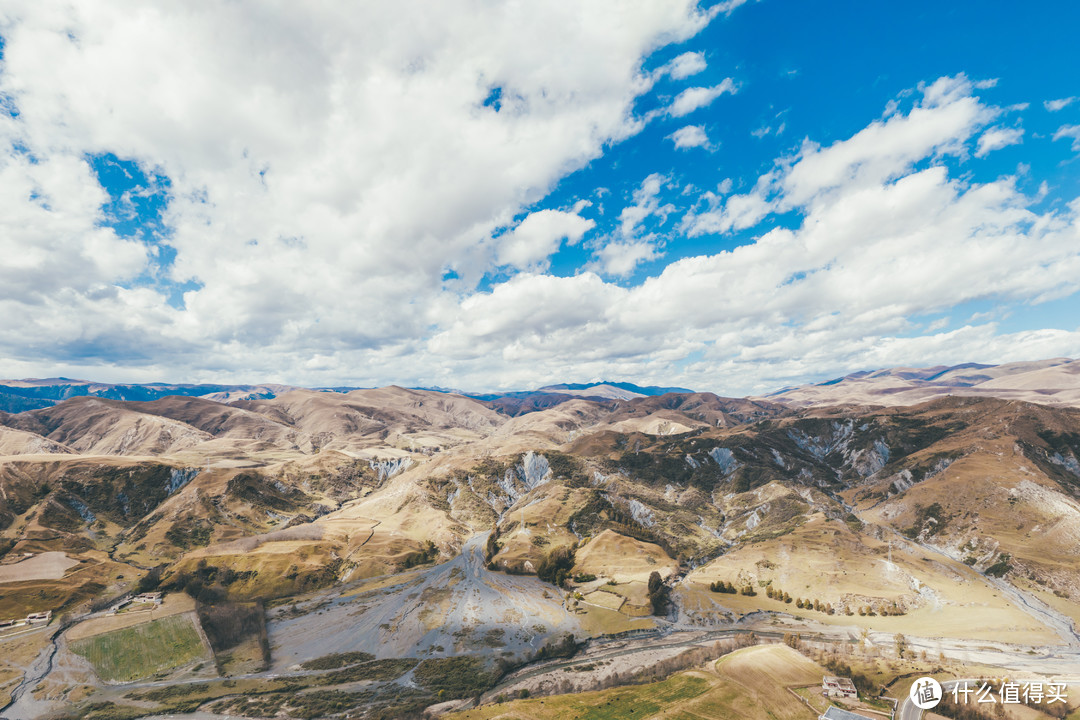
{"x": 1071, "y": 132}
{"x": 646, "y": 203}
{"x": 883, "y": 239}
{"x": 683, "y": 66}
{"x": 996, "y": 138}
{"x": 1060, "y": 104}
{"x": 538, "y": 236}
{"x": 696, "y": 98}
{"x": 691, "y": 136}
{"x": 328, "y": 166}
{"x": 620, "y": 258}
{"x": 941, "y": 123}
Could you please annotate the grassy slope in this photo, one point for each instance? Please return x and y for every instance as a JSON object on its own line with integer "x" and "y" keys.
{"x": 747, "y": 684}
{"x": 824, "y": 559}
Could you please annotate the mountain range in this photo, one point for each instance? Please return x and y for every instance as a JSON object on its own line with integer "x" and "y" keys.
{"x": 1053, "y": 382}
{"x": 940, "y": 503}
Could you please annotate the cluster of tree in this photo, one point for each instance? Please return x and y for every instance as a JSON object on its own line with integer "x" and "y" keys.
{"x": 721, "y": 586}
{"x": 777, "y": 594}
{"x": 969, "y": 711}
{"x": 207, "y": 583}
{"x": 901, "y": 645}
{"x": 814, "y": 604}
{"x": 228, "y": 624}
{"x": 928, "y": 519}
{"x": 883, "y": 610}
{"x": 150, "y": 581}
{"x": 1001, "y": 567}
{"x": 491, "y": 548}
{"x": 658, "y": 593}
{"x": 460, "y": 676}
{"x": 862, "y": 683}
{"x": 422, "y": 556}
{"x": 555, "y": 566}
{"x": 186, "y": 535}
{"x": 793, "y": 640}
{"x": 565, "y": 647}
{"x": 584, "y": 577}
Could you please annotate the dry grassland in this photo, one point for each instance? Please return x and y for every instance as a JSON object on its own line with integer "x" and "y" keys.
{"x": 749, "y": 684}
{"x": 623, "y": 559}
{"x": 825, "y": 560}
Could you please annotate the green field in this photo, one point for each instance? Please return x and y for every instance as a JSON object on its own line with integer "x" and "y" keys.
{"x": 627, "y": 702}
{"x": 142, "y": 650}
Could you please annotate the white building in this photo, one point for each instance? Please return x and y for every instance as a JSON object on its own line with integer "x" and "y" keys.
{"x": 838, "y": 687}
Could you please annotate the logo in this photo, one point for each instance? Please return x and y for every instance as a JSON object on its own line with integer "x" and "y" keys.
{"x": 925, "y": 693}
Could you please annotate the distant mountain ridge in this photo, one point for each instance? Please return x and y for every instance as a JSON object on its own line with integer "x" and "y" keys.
{"x": 1047, "y": 382}
{"x": 18, "y": 396}
{"x": 35, "y": 393}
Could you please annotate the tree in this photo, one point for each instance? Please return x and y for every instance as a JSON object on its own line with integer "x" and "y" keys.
{"x": 555, "y": 566}
{"x": 658, "y": 593}
{"x": 901, "y": 645}
{"x": 150, "y": 580}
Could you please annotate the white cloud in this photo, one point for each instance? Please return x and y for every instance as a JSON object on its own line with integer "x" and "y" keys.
{"x": 620, "y": 258}
{"x": 996, "y": 138}
{"x": 696, "y": 98}
{"x": 683, "y": 66}
{"x": 1069, "y": 131}
{"x": 884, "y": 239}
{"x": 646, "y": 204}
{"x": 941, "y": 123}
{"x": 328, "y": 165}
{"x": 691, "y": 136}
{"x": 1060, "y": 104}
{"x": 539, "y": 235}
{"x": 766, "y": 130}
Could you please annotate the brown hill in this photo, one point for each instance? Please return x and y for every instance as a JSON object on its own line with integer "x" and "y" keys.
{"x": 391, "y": 416}
{"x": 95, "y": 426}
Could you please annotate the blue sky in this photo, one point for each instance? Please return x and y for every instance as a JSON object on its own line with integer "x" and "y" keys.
{"x": 732, "y": 197}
